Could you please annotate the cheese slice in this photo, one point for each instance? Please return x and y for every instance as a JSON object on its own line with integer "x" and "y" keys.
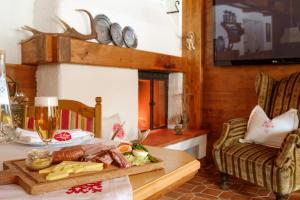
{"x": 88, "y": 168}
{"x": 65, "y": 168}
{"x": 47, "y": 170}
{"x": 57, "y": 175}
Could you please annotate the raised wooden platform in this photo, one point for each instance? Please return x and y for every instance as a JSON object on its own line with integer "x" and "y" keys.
{"x": 166, "y": 137}
{"x": 188, "y": 140}
{"x": 180, "y": 167}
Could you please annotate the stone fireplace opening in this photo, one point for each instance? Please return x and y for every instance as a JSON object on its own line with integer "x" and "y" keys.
{"x": 160, "y": 103}
{"x": 153, "y": 100}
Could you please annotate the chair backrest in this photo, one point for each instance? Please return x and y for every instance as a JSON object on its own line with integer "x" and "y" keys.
{"x": 73, "y": 115}
{"x": 264, "y": 86}
{"x": 286, "y": 95}
{"x": 277, "y": 97}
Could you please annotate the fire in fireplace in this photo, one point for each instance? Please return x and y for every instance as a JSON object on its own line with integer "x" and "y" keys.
{"x": 153, "y": 100}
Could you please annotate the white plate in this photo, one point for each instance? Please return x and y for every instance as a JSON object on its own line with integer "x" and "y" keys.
{"x": 76, "y": 141}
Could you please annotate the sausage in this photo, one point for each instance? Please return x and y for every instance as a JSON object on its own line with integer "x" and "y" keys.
{"x": 119, "y": 159}
{"x": 92, "y": 149}
{"x": 70, "y": 154}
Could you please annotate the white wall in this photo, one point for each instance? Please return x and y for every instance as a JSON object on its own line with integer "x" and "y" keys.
{"x": 47, "y": 78}
{"x": 176, "y": 18}
{"x": 83, "y": 83}
{"x": 154, "y": 28}
{"x": 45, "y": 15}
{"x": 175, "y": 98}
{"x": 156, "y": 32}
{"x": 118, "y": 88}
{"x": 13, "y": 15}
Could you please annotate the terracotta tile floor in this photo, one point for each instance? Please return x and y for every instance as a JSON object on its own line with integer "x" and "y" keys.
{"x": 205, "y": 186}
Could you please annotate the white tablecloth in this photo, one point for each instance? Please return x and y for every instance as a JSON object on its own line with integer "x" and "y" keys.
{"x": 115, "y": 189}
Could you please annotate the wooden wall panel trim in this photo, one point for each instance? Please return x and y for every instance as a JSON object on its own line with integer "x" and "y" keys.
{"x": 63, "y": 50}
{"x": 24, "y": 75}
{"x": 193, "y": 80}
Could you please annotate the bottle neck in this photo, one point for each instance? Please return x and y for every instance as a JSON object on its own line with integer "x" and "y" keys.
{"x": 2, "y": 65}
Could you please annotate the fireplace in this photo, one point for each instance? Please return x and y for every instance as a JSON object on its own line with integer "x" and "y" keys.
{"x": 153, "y": 100}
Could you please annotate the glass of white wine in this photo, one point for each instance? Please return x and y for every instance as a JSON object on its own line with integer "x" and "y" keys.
{"x": 46, "y": 117}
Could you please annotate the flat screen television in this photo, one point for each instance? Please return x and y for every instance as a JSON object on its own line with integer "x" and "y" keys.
{"x": 256, "y": 32}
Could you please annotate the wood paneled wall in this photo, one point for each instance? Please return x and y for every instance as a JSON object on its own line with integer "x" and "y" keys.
{"x": 193, "y": 21}
{"x": 24, "y": 75}
{"x": 229, "y": 92}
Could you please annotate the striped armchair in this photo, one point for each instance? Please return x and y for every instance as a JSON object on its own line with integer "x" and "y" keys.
{"x": 275, "y": 169}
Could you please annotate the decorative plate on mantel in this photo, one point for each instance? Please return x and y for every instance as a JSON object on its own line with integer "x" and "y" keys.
{"x": 116, "y": 34}
{"x": 102, "y": 23}
{"x": 129, "y": 37}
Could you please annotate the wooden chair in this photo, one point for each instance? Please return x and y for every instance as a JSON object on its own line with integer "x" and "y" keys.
{"x": 73, "y": 115}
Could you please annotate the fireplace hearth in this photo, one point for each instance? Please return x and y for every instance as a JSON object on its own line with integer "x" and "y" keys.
{"x": 153, "y": 100}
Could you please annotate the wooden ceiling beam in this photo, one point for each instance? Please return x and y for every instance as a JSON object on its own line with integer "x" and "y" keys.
{"x": 49, "y": 49}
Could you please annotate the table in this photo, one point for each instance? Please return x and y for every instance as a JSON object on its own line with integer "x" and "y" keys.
{"x": 179, "y": 168}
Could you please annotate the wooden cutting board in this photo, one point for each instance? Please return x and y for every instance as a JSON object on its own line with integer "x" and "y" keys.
{"x": 15, "y": 172}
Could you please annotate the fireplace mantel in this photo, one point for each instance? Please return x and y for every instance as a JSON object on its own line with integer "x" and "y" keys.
{"x": 51, "y": 49}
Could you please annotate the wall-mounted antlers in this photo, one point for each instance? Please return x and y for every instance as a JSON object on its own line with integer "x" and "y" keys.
{"x": 69, "y": 31}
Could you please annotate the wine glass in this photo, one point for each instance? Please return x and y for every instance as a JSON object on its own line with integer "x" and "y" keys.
{"x": 46, "y": 117}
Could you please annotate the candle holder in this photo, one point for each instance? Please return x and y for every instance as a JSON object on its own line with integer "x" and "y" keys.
{"x": 178, "y": 125}
{"x": 177, "y": 129}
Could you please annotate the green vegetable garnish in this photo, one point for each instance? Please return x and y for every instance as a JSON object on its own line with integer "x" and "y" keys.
{"x": 152, "y": 159}
{"x": 128, "y": 153}
{"x": 140, "y": 161}
{"x": 129, "y": 157}
{"x": 139, "y": 147}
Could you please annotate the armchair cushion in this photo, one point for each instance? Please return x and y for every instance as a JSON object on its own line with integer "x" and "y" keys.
{"x": 262, "y": 130}
{"x": 255, "y": 163}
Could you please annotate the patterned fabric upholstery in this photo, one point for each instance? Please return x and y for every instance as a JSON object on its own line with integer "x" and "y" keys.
{"x": 264, "y": 89}
{"x": 286, "y": 95}
{"x": 275, "y": 169}
{"x": 278, "y": 97}
{"x": 68, "y": 120}
{"x": 255, "y": 163}
{"x": 232, "y": 132}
